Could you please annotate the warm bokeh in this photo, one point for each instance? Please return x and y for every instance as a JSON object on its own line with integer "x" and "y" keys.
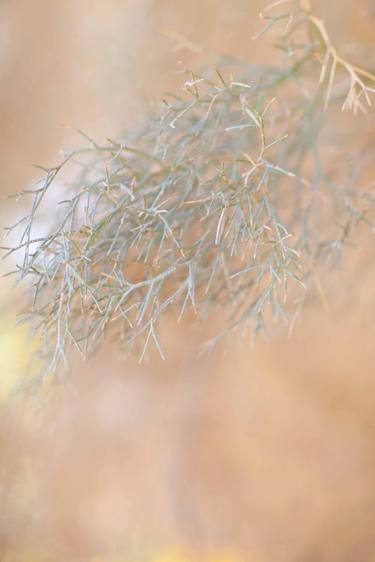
{"x": 261, "y": 455}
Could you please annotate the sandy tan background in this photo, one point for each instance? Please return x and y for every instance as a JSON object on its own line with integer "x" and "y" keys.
{"x": 269, "y": 452}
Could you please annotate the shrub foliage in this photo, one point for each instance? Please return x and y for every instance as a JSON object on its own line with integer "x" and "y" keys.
{"x": 221, "y": 200}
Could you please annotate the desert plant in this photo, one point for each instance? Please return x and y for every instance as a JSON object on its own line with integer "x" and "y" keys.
{"x": 228, "y": 198}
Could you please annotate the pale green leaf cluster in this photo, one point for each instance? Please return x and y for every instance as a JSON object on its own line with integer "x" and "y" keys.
{"x": 221, "y": 201}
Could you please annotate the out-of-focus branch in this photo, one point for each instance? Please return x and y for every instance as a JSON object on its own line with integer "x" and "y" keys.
{"x": 361, "y": 81}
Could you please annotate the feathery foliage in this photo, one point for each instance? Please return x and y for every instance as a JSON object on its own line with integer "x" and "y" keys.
{"x": 222, "y": 200}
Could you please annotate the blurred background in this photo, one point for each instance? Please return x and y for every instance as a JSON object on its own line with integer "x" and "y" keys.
{"x": 257, "y": 454}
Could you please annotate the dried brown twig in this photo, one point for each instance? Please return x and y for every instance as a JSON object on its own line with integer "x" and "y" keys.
{"x": 359, "y": 78}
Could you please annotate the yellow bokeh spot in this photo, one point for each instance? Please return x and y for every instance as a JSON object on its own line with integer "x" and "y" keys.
{"x": 16, "y": 354}
{"x": 171, "y": 556}
{"x": 177, "y": 555}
